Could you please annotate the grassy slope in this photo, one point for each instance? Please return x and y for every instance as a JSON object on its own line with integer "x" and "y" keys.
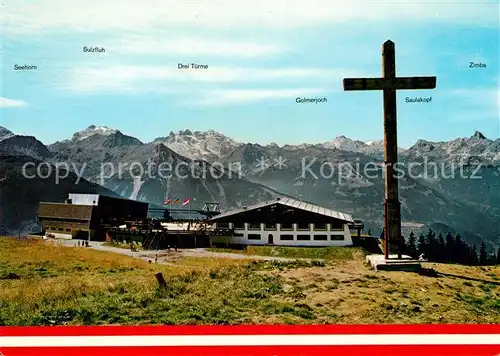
{"x": 326, "y": 253}
{"x": 68, "y": 285}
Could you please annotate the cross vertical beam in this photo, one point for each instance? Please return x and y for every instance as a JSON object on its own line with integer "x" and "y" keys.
{"x": 392, "y": 224}
{"x": 389, "y": 83}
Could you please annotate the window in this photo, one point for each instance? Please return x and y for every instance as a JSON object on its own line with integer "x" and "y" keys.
{"x": 320, "y": 227}
{"x": 320, "y": 237}
{"x": 270, "y": 226}
{"x": 286, "y": 226}
{"x": 68, "y": 230}
{"x": 254, "y": 236}
{"x": 303, "y": 226}
{"x": 337, "y": 226}
{"x": 222, "y": 225}
{"x": 60, "y": 229}
{"x": 286, "y": 237}
{"x": 303, "y": 237}
{"x": 337, "y": 237}
{"x": 239, "y": 226}
{"x": 254, "y": 226}
{"x": 238, "y": 234}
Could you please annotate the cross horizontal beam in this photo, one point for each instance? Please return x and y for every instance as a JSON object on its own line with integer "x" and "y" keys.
{"x": 400, "y": 83}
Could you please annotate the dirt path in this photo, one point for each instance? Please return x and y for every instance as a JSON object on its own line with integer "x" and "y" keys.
{"x": 166, "y": 257}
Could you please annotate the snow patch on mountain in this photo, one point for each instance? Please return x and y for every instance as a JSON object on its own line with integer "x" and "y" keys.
{"x": 200, "y": 145}
{"x": 91, "y": 131}
{"x": 373, "y": 148}
{"x": 345, "y": 144}
{"x": 136, "y": 188}
{"x": 302, "y": 146}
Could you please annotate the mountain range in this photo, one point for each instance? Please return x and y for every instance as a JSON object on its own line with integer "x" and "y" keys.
{"x": 438, "y": 185}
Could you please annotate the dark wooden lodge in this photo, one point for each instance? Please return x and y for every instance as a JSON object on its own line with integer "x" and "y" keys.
{"x": 87, "y": 216}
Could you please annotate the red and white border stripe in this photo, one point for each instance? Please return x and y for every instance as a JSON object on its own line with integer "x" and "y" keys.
{"x": 283, "y": 340}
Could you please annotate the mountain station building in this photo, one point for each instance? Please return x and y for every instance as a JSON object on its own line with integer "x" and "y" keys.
{"x": 85, "y": 216}
{"x": 286, "y": 222}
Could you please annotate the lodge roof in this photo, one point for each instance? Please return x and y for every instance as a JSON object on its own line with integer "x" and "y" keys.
{"x": 64, "y": 211}
{"x": 292, "y": 203}
{"x": 93, "y": 199}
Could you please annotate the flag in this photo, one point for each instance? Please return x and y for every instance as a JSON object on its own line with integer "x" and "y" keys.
{"x": 252, "y": 340}
{"x": 186, "y": 201}
{"x": 167, "y": 201}
{"x": 176, "y": 201}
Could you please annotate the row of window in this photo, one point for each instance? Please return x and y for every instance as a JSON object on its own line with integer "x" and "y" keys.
{"x": 58, "y": 229}
{"x": 300, "y": 226}
{"x": 300, "y": 237}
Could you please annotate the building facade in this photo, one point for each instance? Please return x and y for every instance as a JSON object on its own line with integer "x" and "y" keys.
{"x": 65, "y": 220}
{"x": 84, "y": 216}
{"x": 286, "y": 222}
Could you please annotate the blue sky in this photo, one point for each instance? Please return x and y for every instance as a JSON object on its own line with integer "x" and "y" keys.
{"x": 260, "y": 57}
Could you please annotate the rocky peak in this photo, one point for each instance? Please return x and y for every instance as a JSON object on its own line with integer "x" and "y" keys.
{"x": 424, "y": 145}
{"x": 160, "y": 147}
{"x": 422, "y": 142}
{"x": 5, "y": 133}
{"x": 16, "y": 145}
{"x": 91, "y": 131}
{"x": 162, "y": 153}
{"x": 345, "y": 144}
{"x": 478, "y": 135}
{"x": 119, "y": 139}
{"x": 206, "y": 145}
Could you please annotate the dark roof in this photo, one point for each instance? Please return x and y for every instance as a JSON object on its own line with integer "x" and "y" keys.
{"x": 93, "y": 199}
{"x": 65, "y": 211}
{"x": 292, "y": 203}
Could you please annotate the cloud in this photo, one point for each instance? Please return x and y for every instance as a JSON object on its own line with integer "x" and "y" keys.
{"x": 479, "y": 96}
{"x": 122, "y": 78}
{"x": 90, "y": 16}
{"x": 11, "y": 103}
{"x": 478, "y": 104}
{"x": 239, "y": 96}
{"x": 192, "y": 46}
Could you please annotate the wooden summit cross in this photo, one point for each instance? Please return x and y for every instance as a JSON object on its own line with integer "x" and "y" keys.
{"x": 389, "y": 83}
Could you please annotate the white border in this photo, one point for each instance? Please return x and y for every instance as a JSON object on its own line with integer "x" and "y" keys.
{"x": 250, "y": 340}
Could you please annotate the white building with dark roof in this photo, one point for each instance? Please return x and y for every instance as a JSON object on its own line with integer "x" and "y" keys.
{"x": 286, "y": 222}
